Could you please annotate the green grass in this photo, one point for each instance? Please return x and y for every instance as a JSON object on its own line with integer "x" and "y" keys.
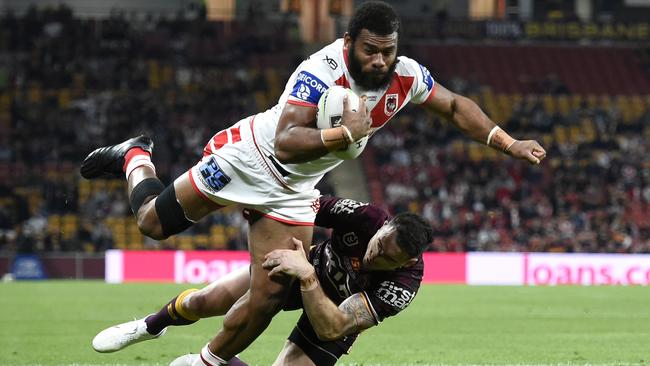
{"x": 53, "y": 322}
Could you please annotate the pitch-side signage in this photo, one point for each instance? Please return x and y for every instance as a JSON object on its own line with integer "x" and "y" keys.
{"x": 476, "y": 268}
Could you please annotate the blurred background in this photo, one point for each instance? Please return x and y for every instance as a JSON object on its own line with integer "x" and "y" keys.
{"x": 575, "y": 75}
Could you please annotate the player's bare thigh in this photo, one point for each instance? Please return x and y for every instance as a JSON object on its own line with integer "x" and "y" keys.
{"x": 267, "y": 234}
{"x": 292, "y": 355}
{"x": 268, "y": 293}
{"x": 218, "y": 297}
{"x": 195, "y": 206}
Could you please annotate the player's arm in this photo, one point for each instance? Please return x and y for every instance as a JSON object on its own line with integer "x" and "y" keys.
{"x": 468, "y": 117}
{"x": 329, "y": 321}
{"x": 297, "y": 140}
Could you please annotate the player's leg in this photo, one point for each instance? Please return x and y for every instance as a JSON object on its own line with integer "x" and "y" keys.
{"x": 218, "y": 297}
{"x": 191, "y": 305}
{"x": 293, "y": 355}
{"x": 252, "y": 313}
{"x": 303, "y": 348}
{"x": 186, "y": 308}
{"x": 158, "y": 209}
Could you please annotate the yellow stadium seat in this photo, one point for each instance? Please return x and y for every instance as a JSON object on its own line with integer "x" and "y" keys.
{"x": 575, "y": 101}
{"x": 185, "y": 242}
{"x": 588, "y": 130}
{"x": 171, "y": 242}
{"x": 563, "y": 105}
{"x": 201, "y": 241}
{"x": 591, "y": 100}
{"x": 116, "y": 185}
{"x": 120, "y": 241}
{"x": 53, "y": 223}
{"x": 604, "y": 101}
{"x": 549, "y": 103}
{"x": 575, "y": 136}
{"x": 560, "y": 134}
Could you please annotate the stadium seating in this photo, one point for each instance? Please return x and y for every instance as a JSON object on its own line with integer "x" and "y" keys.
{"x": 102, "y": 81}
{"x": 592, "y": 194}
{"x": 533, "y": 68}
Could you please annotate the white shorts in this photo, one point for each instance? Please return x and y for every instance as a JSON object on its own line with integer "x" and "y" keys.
{"x": 234, "y": 171}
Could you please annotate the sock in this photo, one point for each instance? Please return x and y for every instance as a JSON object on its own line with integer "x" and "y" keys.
{"x": 210, "y": 359}
{"x": 135, "y": 158}
{"x": 171, "y": 314}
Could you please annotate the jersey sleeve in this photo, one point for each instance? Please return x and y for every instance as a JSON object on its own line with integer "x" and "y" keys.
{"x": 337, "y": 212}
{"x": 391, "y": 296}
{"x": 424, "y": 85}
{"x": 312, "y": 79}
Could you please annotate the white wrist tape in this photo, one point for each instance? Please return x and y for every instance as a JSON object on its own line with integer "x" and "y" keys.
{"x": 492, "y": 132}
{"x": 348, "y": 133}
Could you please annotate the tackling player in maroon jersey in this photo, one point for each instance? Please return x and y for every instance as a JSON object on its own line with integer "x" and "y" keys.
{"x": 370, "y": 269}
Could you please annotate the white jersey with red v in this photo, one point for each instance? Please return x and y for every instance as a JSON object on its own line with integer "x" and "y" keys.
{"x": 411, "y": 82}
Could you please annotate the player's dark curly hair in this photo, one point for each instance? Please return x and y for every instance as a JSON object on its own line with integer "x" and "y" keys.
{"x": 375, "y": 16}
{"x": 414, "y": 234}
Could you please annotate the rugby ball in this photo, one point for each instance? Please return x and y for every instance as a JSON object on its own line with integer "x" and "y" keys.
{"x": 330, "y": 110}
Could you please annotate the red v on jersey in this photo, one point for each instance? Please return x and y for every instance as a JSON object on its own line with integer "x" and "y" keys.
{"x": 392, "y": 100}
{"x": 342, "y": 81}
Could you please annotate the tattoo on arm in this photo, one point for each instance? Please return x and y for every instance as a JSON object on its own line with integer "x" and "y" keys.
{"x": 357, "y": 309}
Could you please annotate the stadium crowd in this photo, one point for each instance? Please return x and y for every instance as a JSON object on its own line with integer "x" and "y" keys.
{"x": 592, "y": 194}
{"x": 68, "y": 85}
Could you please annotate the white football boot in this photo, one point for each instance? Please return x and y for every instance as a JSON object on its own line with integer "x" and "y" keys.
{"x": 187, "y": 360}
{"x": 123, "y": 335}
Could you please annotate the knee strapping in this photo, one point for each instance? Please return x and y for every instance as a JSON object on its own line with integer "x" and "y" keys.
{"x": 170, "y": 213}
{"x": 144, "y": 189}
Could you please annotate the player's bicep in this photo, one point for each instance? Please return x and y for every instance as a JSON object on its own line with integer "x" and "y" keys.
{"x": 442, "y": 102}
{"x": 295, "y": 115}
{"x": 359, "y": 315}
{"x": 296, "y": 138}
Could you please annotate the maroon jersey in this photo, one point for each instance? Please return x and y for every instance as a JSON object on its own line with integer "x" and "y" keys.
{"x": 338, "y": 260}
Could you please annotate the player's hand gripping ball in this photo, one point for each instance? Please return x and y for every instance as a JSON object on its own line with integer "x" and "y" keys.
{"x": 330, "y": 110}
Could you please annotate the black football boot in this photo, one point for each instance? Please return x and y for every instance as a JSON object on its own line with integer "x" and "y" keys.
{"x": 109, "y": 160}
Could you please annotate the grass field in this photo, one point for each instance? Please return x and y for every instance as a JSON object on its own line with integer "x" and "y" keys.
{"x": 53, "y": 322}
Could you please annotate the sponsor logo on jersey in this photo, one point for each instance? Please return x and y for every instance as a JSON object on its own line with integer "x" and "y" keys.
{"x": 308, "y": 88}
{"x": 350, "y": 239}
{"x": 212, "y": 176}
{"x": 426, "y": 77}
{"x": 303, "y": 92}
{"x": 346, "y": 206}
{"x": 390, "y": 106}
{"x": 394, "y": 295}
{"x": 331, "y": 62}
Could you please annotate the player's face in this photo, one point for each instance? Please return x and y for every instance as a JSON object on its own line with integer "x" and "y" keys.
{"x": 372, "y": 59}
{"x": 383, "y": 252}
